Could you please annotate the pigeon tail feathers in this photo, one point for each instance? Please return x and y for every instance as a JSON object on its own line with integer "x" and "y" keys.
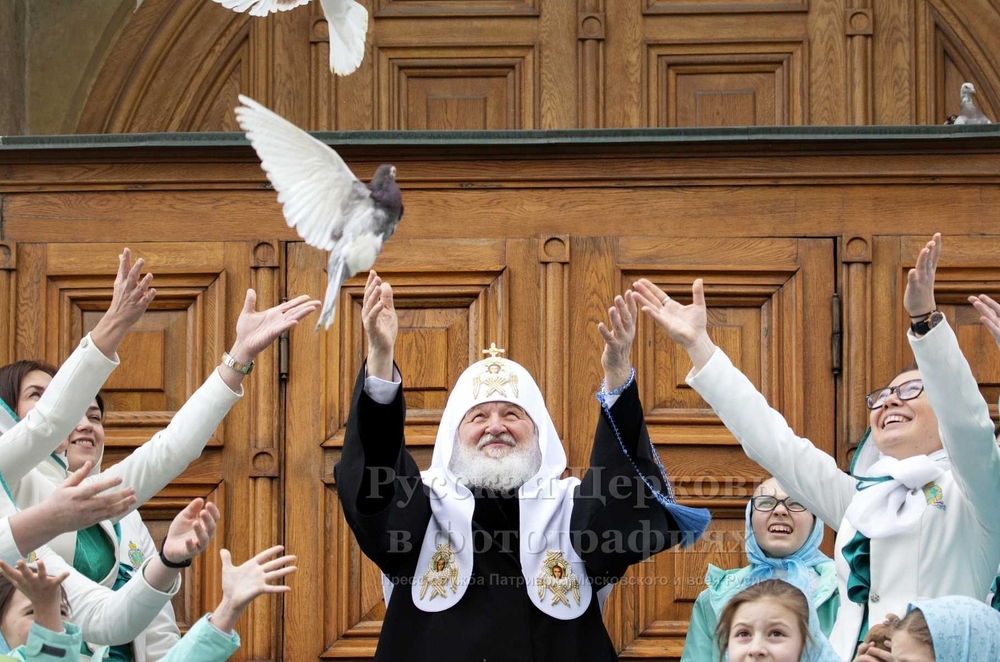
{"x": 336, "y": 275}
{"x": 347, "y": 26}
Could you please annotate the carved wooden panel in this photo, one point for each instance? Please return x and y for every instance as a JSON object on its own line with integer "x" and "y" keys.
{"x": 723, "y": 6}
{"x": 455, "y": 8}
{"x": 479, "y": 64}
{"x": 467, "y": 88}
{"x": 726, "y": 84}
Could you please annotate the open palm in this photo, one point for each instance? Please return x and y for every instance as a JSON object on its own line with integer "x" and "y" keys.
{"x": 256, "y": 330}
{"x": 684, "y": 324}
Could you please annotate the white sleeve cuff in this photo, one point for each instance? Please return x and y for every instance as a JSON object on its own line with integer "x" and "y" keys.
{"x": 381, "y": 391}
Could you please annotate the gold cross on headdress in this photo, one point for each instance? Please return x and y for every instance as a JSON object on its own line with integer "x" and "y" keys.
{"x": 494, "y": 350}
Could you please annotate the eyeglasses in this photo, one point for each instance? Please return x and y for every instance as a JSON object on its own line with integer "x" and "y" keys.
{"x": 766, "y": 504}
{"x": 905, "y": 391}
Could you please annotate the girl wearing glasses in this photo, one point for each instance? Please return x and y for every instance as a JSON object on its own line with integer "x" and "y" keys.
{"x": 782, "y": 542}
{"x": 917, "y": 517}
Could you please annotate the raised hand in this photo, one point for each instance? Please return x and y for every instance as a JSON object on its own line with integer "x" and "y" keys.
{"x": 989, "y": 314}
{"x": 191, "y": 531}
{"x": 41, "y": 589}
{"x": 132, "y": 295}
{"x": 256, "y": 330}
{"x": 74, "y": 505}
{"x": 686, "y": 325}
{"x": 241, "y": 584}
{"x": 378, "y": 315}
{"x": 918, "y": 299}
{"x": 618, "y": 340}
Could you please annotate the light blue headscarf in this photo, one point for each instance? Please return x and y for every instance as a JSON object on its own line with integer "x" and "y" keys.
{"x": 818, "y": 649}
{"x": 797, "y": 567}
{"x": 963, "y": 629}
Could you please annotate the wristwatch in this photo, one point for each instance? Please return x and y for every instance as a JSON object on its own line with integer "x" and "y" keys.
{"x": 923, "y": 326}
{"x": 236, "y": 365}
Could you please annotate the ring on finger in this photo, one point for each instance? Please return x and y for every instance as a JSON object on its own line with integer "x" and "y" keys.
{"x": 666, "y": 298}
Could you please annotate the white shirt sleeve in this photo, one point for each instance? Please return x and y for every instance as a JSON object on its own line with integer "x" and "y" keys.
{"x": 805, "y": 472}
{"x": 963, "y": 419}
{"x": 164, "y": 457}
{"x": 381, "y": 391}
{"x": 57, "y": 412}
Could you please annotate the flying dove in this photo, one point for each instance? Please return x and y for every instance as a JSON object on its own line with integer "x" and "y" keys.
{"x": 347, "y": 23}
{"x": 970, "y": 112}
{"x": 328, "y": 206}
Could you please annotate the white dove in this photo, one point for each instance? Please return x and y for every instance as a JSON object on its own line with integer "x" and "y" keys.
{"x": 970, "y": 112}
{"x": 327, "y": 205}
{"x": 347, "y": 23}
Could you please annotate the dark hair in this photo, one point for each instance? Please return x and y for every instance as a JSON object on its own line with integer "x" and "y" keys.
{"x": 781, "y": 591}
{"x": 7, "y": 594}
{"x": 13, "y": 374}
{"x": 915, "y": 625}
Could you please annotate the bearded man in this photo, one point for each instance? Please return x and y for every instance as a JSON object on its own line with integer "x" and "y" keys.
{"x": 489, "y": 554}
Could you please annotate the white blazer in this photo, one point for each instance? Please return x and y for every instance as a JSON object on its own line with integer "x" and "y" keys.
{"x": 104, "y": 616}
{"x": 952, "y": 550}
{"x": 148, "y": 469}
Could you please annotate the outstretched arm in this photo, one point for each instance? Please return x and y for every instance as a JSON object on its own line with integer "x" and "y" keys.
{"x": 806, "y": 473}
{"x": 154, "y": 464}
{"x": 384, "y": 500}
{"x": 73, "y": 506}
{"x": 962, "y": 413}
{"x": 78, "y": 380}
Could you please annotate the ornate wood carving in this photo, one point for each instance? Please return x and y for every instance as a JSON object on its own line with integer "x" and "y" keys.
{"x": 726, "y": 84}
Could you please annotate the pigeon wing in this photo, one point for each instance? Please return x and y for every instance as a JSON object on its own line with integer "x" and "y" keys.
{"x": 320, "y": 196}
{"x": 347, "y": 25}
{"x": 261, "y": 7}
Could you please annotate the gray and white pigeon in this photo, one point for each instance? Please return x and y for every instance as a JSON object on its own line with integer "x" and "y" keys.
{"x": 970, "y": 111}
{"x": 347, "y": 23}
{"x": 321, "y": 198}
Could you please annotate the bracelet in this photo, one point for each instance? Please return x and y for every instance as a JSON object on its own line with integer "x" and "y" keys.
{"x": 171, "y": 564}
{"x": 601, "y": 395}
{"x": 242, "y": 368}
{"x": 923, "y": 316}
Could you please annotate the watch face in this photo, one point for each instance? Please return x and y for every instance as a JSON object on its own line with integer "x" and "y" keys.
{"x": 936, "y": 318}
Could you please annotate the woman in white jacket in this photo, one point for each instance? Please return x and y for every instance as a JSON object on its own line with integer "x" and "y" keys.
{"x": 105, "y": 616}
{"x": 111, "y": 551}
{"x": 918, "y": 518}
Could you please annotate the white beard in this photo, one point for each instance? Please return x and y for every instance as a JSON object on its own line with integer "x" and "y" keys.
{"x": 484, "y": 470}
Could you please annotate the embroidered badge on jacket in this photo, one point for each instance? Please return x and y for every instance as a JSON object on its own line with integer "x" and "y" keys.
{"x": 934, "y": 496}
{"x": 135, "y": 555}
{"x": 441, "y": 571}
{"x": 495, "y": 378}
{"x": 556, "y": 576}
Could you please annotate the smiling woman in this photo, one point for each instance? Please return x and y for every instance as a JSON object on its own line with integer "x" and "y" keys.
{"x": 917, "y": 518}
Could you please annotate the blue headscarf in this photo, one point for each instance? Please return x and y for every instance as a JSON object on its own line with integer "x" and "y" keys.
{"x": 817, "y": 648}
{"x": 963, "y": 629}
{"x": 797, "y": 566}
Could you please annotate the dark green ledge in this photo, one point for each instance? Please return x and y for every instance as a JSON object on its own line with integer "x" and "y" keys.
{"x": 785, "y": 138}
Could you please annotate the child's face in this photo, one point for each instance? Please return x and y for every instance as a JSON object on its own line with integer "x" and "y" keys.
{"x": 18, "y": 619}
{"x": 765, "y": 631}
{"x": 780, "y": 532}
{"x": 907, "y": 649}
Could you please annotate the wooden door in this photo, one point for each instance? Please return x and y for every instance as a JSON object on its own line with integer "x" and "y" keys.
{"x": 541, "y": 299}
{"x": 64, "y": 288}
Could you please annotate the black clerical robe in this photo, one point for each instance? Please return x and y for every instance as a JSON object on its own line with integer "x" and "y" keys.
{"x": 615, "y": 523}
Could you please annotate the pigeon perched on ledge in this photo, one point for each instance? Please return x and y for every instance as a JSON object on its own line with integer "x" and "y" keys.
{"x": 328, "y": 206}
{"x": 970, "y": 112}
{"x": 347, "y": 23}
